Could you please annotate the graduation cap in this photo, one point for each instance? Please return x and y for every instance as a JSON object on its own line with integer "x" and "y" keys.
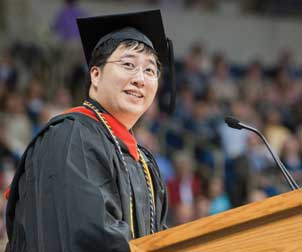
{"x": 145, "y": 27}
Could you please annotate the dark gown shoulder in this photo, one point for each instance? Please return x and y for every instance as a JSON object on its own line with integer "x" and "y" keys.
{"x": 63, "y": 193}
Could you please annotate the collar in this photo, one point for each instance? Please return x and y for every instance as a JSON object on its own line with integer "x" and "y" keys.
{"x": 121, "y": 132}
{"x": 118, "y": 129}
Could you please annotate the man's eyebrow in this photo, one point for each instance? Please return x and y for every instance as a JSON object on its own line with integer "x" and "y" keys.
{"x": 152, "y": 62}
{"x": 131, "y": 56}
{"x": 127, "y": 56}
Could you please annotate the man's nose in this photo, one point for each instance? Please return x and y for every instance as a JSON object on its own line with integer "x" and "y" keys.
{"x": 139, "y": 77}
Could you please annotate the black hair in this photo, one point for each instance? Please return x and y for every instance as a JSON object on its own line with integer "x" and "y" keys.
{"x": 101, "y": 54}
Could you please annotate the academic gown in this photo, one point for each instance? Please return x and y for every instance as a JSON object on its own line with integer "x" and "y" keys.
{"x": 71, "y": 192}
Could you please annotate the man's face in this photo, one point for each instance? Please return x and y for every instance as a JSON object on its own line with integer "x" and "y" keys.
{"x": 123, "y": 94}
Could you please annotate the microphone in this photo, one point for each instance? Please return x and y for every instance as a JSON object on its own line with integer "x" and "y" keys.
{"x": 236, "y": 124}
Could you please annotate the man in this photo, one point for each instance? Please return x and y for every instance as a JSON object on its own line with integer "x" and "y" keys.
{"x": 83, "y": 183}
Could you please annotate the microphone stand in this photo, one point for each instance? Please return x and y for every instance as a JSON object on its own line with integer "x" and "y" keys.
{"x": 236, "y": 124}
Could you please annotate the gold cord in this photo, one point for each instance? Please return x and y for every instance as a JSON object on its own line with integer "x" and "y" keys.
{"x": 147, "y": 171}
{"x": 88, "y": 104}
{"x": 144, "y": 164}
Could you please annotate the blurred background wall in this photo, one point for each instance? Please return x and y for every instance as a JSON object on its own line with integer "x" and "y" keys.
{"x": 227, "y": 24}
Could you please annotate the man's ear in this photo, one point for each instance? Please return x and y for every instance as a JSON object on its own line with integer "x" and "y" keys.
{"x": 95, "y": 75}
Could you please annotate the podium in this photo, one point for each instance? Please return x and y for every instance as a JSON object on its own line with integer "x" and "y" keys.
{"x": 271, "y": 225}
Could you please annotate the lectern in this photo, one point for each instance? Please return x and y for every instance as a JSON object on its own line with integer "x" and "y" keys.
{"x": 271, "y": 225}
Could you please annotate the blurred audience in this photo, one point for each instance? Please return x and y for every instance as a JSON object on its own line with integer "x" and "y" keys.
{"x": 184, "y": 188}
{"x": 186, "y": 185}
{"x": 221, "y": 80}
{"x": 8, "y": 159}
{"x": 193, "y": 71}
{"x": 208, "y": 167}
{"x": 35, "y": 102}
{"x": 274, "y": 129}
{"x": 17, "y": 124}
{"x": 252, "y": 84}
{"x": 8, "y": 72}
{"x": 291, "y": 155}
{"x": 61, "y": 102}
{"x": 219, "y": 200}
{"x": 256, "y": 195}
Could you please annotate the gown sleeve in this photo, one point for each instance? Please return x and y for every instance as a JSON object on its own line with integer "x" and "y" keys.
{"x": 69, "y": 194}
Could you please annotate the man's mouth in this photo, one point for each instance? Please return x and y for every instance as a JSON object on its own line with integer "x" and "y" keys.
{"x": 134, "y": 93}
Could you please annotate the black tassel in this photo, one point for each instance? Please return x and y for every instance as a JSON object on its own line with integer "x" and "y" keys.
{"x": 171, "y": 76}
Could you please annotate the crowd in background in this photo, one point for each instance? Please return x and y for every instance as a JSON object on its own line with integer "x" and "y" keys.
{"x": 207, "y": 166}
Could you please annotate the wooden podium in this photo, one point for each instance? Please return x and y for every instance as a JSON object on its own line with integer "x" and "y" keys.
{"x": 272, "y": 225}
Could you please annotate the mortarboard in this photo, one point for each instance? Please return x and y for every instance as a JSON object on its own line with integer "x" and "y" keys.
{"x": 145, "y": 27}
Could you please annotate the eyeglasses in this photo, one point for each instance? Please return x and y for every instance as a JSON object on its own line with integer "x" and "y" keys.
{"x": 150, "y": 72}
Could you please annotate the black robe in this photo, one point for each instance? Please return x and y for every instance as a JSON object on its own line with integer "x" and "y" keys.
{"x": 71, "y": 192}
